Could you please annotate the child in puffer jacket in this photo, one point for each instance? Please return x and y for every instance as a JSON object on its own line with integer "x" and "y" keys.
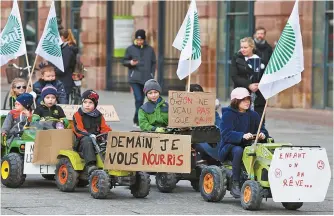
{"x": 153, "y": 115}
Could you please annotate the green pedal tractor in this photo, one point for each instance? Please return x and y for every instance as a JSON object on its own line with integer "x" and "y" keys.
{"x": 13, "y": 154}
{"x": 216, "y": 178}
{"x": 71, "y": 173}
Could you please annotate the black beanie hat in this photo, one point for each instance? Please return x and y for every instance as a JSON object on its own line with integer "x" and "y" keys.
{"x": 91, "y": 95}
{"x": 196, "y": 88}
{"x": 140, "y": 34}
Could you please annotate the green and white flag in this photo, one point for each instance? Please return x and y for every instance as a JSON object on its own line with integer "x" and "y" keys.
{"x": 49, "y": 44}
{"x": 287, "y": 61}
{"x": 188, "y": 41}
{"x": 12, "y": 42}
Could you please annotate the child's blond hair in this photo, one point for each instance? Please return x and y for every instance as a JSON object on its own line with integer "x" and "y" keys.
{"x": 13, "y": 85}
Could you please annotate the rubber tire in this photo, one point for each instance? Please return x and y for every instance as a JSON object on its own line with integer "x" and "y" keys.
{"x": 82, "y": 183}
{"x": 72, "y": 176}
{"x": 50, "y": 177}
{"x": 195, "y": 185}
{"x": 219, "y": 184}
{"x": 103, "y": 183}
{"x": 166, "y": 182}
{"x": 292, "y": 205}
{"x": 15, "y": 177}
{"x": 142, "y": 186}
{"x": 256, "y": 195}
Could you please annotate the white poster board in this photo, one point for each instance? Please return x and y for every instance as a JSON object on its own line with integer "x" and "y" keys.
{"x": 30, "y": 168}
{"x": 123, "y": 30}
{"x": 299, "y": 174}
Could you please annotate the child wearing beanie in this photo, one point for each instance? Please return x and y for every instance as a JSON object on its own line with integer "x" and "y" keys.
{"x": 153, "y": 115}
{"x": 18, "y": 117}
{"x": 48, "y": 110}
{"x": 87, "y": 123}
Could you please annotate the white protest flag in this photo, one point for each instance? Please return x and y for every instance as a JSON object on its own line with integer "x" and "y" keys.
{"x": 287, "y": 61}
{"x": 188, "y": 41}
{"x": 12, "y": 42}
{"x": 49, "y": 44}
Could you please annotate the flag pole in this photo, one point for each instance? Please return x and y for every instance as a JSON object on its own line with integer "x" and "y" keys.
{"x": 189, "y": 74}
{"x": 30, "y": 75}
{"x": 252, "y": 160}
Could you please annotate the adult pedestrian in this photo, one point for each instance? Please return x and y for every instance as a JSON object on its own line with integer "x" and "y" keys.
{"x": 141, "y": 61}
{"x": 264, "y": 49}
{"x": 69, "y": 51}
{"x": 247, "y": 70}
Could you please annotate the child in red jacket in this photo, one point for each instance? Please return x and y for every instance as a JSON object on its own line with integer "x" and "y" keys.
{"x": 87, "y": 123}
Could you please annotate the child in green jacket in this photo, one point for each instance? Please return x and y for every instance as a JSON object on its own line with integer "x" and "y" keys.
{"x": 153, "y": 115}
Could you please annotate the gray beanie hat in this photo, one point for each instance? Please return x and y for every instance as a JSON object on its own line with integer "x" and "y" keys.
{"x": 151, "y": 85}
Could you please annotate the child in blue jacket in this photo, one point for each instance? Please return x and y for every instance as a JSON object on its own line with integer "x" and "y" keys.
{"x": 238, "y": 125}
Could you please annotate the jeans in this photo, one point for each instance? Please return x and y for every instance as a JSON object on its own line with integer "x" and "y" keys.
{"x": 138, "y": 92}
{"x": 236, "y": 153}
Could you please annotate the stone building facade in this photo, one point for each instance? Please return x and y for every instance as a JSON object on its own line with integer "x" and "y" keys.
{"x": 222, "y": 25}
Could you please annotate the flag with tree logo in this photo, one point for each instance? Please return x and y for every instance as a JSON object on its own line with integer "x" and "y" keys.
{"x": 188, "y": 41}
{"x": 49, "y": 44}
{"x": 287, "y": 61}
{"x": 12, "y": 42}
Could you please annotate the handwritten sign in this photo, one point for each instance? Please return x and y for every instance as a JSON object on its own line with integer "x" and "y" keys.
{"x": 299, "y": 174}
{"x": 29, "y": 167}
{"x": 152, "y": 152}
{"x": 108, "y": 111}
{"x": 190, "y": 109}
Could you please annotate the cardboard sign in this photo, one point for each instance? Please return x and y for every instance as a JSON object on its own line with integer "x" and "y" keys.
{"x": 190, "y": 109}
{"x": 48, "y": 143}
{"x": 29, "y": 167}
{"x": 299, "y": 174}
{"x": 151, "y": 152}
{"x": 108, "y": 111}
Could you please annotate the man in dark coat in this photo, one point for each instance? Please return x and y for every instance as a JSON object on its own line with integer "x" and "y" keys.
{"x": 264, "y": 49}
{"x": 141, "y": 61}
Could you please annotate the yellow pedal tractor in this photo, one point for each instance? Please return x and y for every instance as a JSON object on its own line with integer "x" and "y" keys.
{"x": 71, "y": 172}
{"x": 216, "y": 179}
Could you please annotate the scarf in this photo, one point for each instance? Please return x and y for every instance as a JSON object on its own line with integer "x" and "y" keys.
{"x": 259, "y": 41}
{"x": 94, "y": 113}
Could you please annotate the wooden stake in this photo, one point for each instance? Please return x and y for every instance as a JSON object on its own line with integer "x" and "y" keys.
{"x": 189, "y": 75}
{"x": 30, "y": 75}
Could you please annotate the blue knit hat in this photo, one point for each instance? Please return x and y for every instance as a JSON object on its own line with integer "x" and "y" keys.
{"x": 26, "y": 100}
{"x": 49, "y": 89}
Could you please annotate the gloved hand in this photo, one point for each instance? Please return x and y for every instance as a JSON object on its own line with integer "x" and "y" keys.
{"x": 93, "y": 136}
{"x": 160, "y": 130}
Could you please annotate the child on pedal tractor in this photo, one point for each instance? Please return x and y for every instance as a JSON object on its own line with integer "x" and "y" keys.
{"x": 18, "y": 87}
{"x": 238, "y": 125}
{"x": 48, "y": 110}
{"x": 153, "y": 115}
{"x": 87, "y": 123}
{"x": 18, "y": 117}
{"x": 49, "y": 77}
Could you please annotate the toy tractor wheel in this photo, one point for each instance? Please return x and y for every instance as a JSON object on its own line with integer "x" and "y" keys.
{"x": 99, "y": 184}
{"x": 66, "y": 176}
{"x": 166, "y": 182}
{"x": 213, "y": 183}
{"x": 195, "y": 185}
{"x": 12, "y": 170}
{"x": 142, "y": 186}
{"x": 251, "y": 196}
{"x": 82, "y": 183}
{"x": 48, "y": 177}
{"x": 292, "y": 205}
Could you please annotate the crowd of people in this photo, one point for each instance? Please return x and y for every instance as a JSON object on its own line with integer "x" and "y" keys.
{"x": 238, "y": 122}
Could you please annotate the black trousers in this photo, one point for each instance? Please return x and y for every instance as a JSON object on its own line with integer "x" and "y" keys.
{"x": 87, "y": 149}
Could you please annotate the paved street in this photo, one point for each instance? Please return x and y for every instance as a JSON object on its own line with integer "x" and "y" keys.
{"x": 39, "y": 196}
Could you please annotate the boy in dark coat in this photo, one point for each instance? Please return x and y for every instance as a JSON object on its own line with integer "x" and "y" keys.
{"x": 238, "y": 125}
{"x": 48, "y": 108}
{"x": 87, "y": 123}
{"x": 49, "y": 77}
